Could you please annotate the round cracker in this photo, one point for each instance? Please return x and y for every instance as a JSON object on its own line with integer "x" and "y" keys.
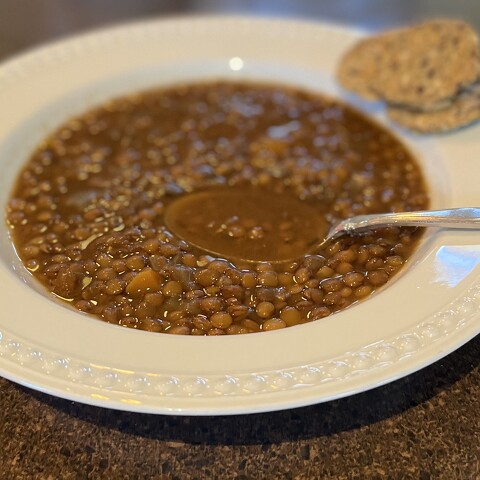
{"x": 358, "y": 67}
{"x": 423, "y": 65}
{"x": 464, "y": 110}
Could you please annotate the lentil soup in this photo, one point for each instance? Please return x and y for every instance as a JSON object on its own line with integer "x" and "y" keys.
{"x": 88, "y": 212}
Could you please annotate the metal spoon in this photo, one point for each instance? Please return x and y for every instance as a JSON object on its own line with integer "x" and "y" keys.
{"x": 467, "y": 218}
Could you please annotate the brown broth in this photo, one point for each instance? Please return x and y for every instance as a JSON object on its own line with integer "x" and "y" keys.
{"x": 88, "y": 210}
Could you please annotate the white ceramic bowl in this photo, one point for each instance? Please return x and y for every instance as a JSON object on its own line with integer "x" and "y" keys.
{"x": 428, "y": 311}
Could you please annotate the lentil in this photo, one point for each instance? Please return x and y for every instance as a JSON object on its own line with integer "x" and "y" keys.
{"x": 291, "y": 316}
{"x": 172, "y": 288}
{"x": 221, "y": 320}
{"x": 273, "y": 324}
{"x": 265, "y": 309}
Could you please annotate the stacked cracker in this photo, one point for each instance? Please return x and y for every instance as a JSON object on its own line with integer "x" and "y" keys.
{"x": 428, "y": 74}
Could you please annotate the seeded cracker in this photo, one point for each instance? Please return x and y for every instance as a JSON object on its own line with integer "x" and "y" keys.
{"x": 359, "y": 67}
{"x": 465, "y": 109}
{"x": 426, "y": 64}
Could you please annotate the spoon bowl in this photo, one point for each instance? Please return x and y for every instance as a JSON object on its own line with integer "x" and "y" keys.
{"x": 181, "y": 214}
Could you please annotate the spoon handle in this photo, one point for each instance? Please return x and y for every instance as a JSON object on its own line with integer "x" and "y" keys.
{"x": 468, "y": 217}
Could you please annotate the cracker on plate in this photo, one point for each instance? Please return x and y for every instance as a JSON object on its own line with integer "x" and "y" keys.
{"x": 462, "y": 111}
{"x": 425, "y": 64}
{"x": 359, "y": 66}
{"x": 417, "y": 67}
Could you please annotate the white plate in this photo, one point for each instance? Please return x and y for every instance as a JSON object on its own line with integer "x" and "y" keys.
{"x": 428, "y": 311}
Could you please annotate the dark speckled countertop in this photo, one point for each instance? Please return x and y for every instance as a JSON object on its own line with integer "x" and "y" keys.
{"x": 424, "y": 426}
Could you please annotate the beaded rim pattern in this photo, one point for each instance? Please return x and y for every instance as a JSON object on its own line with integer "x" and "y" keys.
{"x": 446, "y": 322}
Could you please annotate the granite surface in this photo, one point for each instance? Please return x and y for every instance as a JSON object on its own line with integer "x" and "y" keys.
{"x": 424, "y": 426}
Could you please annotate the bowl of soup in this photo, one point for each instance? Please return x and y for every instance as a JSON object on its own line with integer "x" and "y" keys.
{"x": 164, "y": 196}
